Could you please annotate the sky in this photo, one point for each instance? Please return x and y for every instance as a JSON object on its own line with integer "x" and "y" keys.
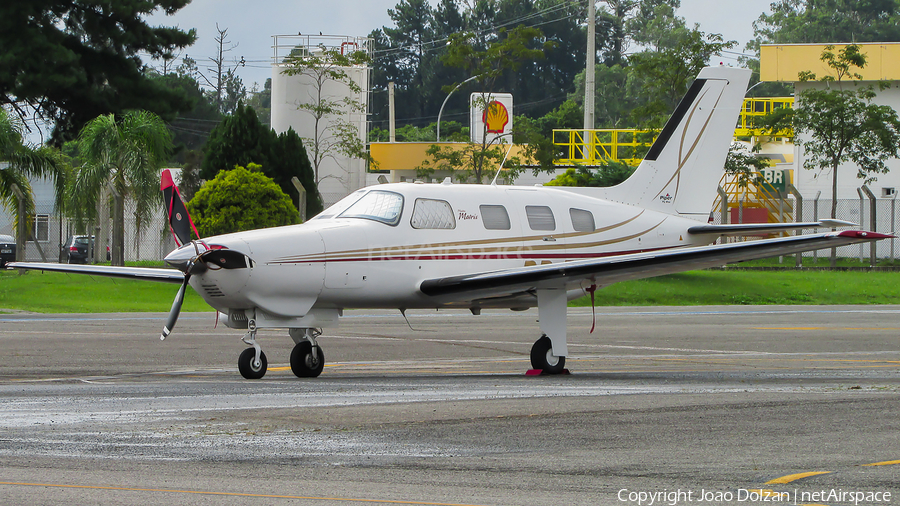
{"x": 251, "y": 24}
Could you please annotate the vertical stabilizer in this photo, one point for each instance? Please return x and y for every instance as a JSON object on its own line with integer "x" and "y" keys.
{"x": 681, "y": 172}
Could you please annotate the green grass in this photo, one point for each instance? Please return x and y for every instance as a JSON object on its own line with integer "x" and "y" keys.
{"x": 47, "y": 292}
{"x": 53, "y": 292}
{"x": 715, "y": 287}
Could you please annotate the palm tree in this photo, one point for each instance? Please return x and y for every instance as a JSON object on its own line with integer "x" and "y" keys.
{"x": 20, "y": 161}
{"x": 124, "y": 155}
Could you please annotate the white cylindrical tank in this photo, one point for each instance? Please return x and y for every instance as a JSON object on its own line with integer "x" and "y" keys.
{"x": 338, "y": 174}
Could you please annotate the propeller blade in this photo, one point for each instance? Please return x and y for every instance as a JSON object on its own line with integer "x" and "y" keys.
{"x": 179, "y": 220}
{"x": 176, "y": 308}
{"x": 226, "y": 259}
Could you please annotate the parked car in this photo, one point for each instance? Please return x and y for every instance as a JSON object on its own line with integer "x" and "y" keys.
{"x": 75, "y": 249}
{"x": 7, "y": 250}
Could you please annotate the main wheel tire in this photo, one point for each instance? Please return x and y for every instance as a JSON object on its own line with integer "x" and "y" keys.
{"x": 304, "y": 362}
{"x": 245, "y": 364}
{"x": 542, "y": 357}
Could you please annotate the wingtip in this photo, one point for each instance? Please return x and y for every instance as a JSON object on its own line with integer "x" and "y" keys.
{"x": 863, "y": 234}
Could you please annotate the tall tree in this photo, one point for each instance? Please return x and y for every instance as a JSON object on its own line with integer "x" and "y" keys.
{"x": 124, "y": 154}
{"x": 72, "y": 60}
{"x": 514, "y": 47}
{"x": 25, "y": 161}
{"x": 824, "y": 21}
{"x": 666, "y": 74}
{"x": 241, "y": 139}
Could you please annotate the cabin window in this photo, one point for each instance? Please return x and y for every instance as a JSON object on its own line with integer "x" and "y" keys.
{"x": 432, "y": 214}
{"x": 582, "y": 221}
{"x": 339, "y": 206}
{"x": 540, "y": 218}
{"x": 494, "y": 217}
{"x": 377, "y": 205}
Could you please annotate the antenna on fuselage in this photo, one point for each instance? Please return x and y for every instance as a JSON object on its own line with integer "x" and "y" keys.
{"x": 508, "y": 151}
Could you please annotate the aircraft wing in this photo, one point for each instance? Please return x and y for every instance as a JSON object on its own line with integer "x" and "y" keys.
{"x": 164, "y": 275}
{"x": 612, "y": 269}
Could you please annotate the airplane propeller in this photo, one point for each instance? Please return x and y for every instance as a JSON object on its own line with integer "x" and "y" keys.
{"x": 195, "y": 260}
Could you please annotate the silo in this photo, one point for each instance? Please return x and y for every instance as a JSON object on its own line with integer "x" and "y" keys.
{"x": 338, "y": 174}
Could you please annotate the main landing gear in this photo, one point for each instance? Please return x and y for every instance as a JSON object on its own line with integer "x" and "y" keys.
{"x": 307, "y": 358}
{"x": 542, "y": 357}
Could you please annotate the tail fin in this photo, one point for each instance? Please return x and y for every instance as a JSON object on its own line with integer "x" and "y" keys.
{"x": 179, "y": 220}
{"x": 680, "y": 173}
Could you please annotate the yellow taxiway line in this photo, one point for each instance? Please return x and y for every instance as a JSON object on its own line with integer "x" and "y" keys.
{"x": 229, "y": 494}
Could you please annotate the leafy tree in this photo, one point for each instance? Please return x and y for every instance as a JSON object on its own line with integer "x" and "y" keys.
{"x": 824, "y": 21}
{"x": 745, "y": 165}
{"x": 476, "y": 161}
{"x": 126, "y": 153}
{"x": 70, "y": 61}
{"x": 333, "y": 133}
{"x": 240, "y": 199}
{"x": 26, "y": 161}
{"x": 241, "y": 139}
{"x": 665, "y": 74}
{"x": 609, "y": 173}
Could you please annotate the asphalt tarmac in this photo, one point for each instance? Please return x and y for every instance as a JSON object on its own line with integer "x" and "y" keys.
{"x": 695, "y": 405}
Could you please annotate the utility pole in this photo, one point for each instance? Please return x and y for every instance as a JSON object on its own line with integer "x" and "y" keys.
{"x": 589, "y": 68}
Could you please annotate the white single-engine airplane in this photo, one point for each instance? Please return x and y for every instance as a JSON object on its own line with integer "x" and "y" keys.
{"x": 478, "y": 246}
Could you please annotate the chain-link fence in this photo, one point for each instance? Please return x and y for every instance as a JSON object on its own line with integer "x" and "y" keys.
{"x": 49, "y": 236}
{"x": 859, "y": 211}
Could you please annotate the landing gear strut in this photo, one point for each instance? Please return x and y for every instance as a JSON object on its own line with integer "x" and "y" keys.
{"x": 307, "y": 358}
{"x": 252, "y": 362}
{"x": 542, "y": 357}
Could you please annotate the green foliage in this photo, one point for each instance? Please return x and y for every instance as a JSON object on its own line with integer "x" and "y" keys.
{"x": 411, "y": 52}
{"x": 241, "y": 139}
{"x": 610, "y": 173}
{"x": 745, "y": 165}
{"x": 26, "y": 161}
{"x": 829, "y": 21}
{"x": 665, "y": 74}
{"x": 240, "y": 199}
{"x": 72, "y": 61}
{"x": 477, "y": 162}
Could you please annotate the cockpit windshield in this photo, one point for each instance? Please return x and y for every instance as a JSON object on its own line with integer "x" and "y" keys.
{"x": 383, "y": 206}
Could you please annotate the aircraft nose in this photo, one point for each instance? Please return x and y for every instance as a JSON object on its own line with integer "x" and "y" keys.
{"x": 181, "y": 257}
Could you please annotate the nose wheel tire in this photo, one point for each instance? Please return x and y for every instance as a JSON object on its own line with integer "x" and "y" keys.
{"x": 248, "y": 368}
{"x": 307, "y": 361}
{"x": 542, "y": 357}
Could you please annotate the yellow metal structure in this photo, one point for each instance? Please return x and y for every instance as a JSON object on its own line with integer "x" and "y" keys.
{"x": 591, "y": 147}
{"x": 755, "y": 196}
{"x": 756, "y": 108}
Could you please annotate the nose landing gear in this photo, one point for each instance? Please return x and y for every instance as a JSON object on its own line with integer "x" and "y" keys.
{"x": 252, "y": 362}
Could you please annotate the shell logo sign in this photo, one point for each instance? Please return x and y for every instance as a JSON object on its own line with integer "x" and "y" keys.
{"x": 490, "y": 116}
{"x": 495, "y": 117}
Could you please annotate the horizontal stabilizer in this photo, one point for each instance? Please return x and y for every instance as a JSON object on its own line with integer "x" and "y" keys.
{"x": 736, "y": 229}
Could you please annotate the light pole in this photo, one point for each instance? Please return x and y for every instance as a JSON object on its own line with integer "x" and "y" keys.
{"x": 445, "y": 103}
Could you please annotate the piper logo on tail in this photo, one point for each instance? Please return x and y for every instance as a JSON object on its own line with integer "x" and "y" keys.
{"x": 666, "y": 199}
